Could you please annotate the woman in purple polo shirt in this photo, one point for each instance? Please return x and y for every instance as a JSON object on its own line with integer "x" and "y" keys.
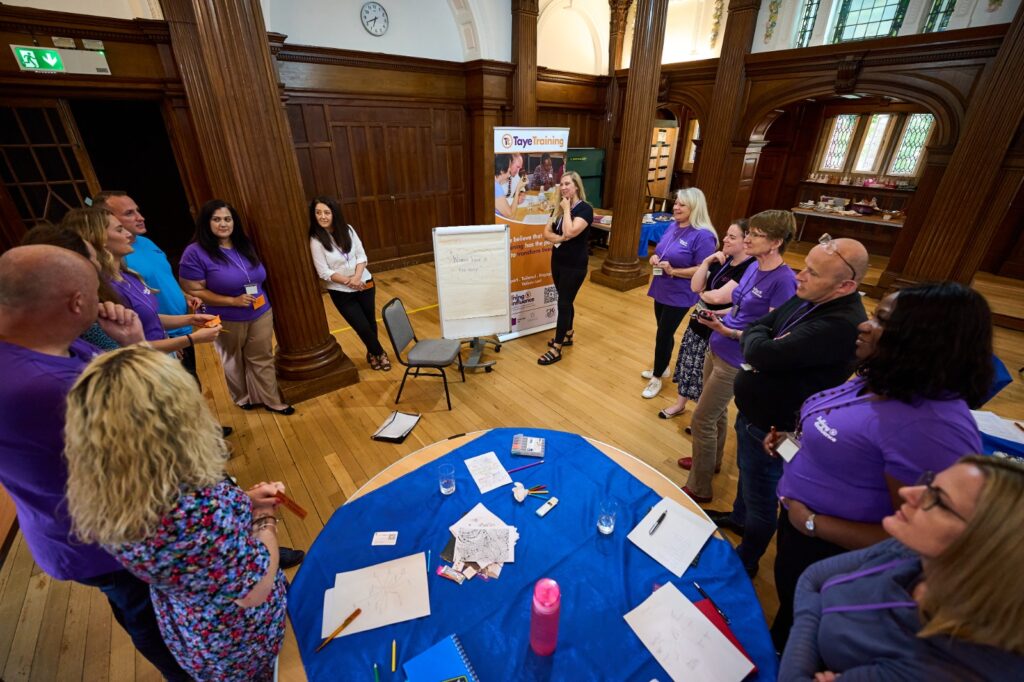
{"x": 925, "y": 358}
{"x": 112, "y": 242}
{"x": 221, "y": 267}
{"x": 762, "y": 289}
{"x": 689, "y": 239}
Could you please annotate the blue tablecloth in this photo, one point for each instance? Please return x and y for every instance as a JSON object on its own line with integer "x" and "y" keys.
{"x": 601, "y": 577}
{"x": 651, "y": 232}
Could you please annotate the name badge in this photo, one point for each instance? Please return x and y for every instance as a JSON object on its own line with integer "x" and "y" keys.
{"x": 788, "y": 447}
{"x": 252, "y": 289}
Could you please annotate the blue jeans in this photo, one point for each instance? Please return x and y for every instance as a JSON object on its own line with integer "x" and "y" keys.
{"x": 757, "y": 504}
{"x": 133, "y": 609}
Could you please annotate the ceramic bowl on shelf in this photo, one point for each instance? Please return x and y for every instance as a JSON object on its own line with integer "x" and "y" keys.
{"x": 864, "y": 209}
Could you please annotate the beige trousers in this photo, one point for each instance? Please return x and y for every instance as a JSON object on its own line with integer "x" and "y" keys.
{"x": 710, "y": 423}
{"x": 247, "y": 353}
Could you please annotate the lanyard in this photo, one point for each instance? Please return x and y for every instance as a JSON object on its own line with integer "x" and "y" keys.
{"x": 668, "y": 245}
{"x": 557, "y": 229}
{"x": 794, "y": 318}
{"x": 238, "y": 263}
{"x": 742, "y": 294}
{"x": 850, "y": 577}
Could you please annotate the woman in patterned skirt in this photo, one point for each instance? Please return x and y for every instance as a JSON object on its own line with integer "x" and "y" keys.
{"x": 146, "y": 480}
{"x": 715, "y": 280}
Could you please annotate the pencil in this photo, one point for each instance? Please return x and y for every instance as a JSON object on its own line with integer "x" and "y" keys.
{"x": 394, "y": 654}
{"x": 291, "y": 505}
{"x": 376, "y": 673}
{"x": 525, "y": 466}
{"x": 341, "y": 627}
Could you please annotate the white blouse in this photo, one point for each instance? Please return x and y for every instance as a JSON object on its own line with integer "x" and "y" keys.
{"x": 335, "y": 262}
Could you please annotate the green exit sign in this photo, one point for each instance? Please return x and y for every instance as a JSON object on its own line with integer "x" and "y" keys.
{"x": 38, "y": 58}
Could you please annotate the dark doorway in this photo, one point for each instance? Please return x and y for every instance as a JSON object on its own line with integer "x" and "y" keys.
{"x": 130, "y": 150}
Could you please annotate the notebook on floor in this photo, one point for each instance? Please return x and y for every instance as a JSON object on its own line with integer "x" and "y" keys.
{"x": 446, "y": 661}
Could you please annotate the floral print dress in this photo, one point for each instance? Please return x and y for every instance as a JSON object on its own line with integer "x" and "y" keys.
{"x": 200, "y": 560}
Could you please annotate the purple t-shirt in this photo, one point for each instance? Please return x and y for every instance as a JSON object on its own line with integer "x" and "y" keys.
{"x": 140, "y": 298}
{"x": 683, "y": 248}
{"x": 228, "y": 277}
{"x": 849, "y": 442}
{"x": 755, "y": 296}
{"x": 33, "y": 394}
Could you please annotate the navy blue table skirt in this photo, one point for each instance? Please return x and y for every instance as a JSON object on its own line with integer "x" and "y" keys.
{"x": 602, "y": 577}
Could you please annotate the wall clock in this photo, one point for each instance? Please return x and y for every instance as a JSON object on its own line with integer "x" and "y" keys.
{"x": 374, "y": 18}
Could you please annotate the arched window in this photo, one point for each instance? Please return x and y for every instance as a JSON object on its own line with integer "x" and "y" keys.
{"x": 863, "y": 19}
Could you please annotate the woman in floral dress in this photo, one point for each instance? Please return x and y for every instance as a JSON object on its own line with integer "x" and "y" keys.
{"x": 146, "y": 480}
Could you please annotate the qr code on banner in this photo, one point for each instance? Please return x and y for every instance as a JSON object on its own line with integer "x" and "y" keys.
{"x": 550, "y": 295}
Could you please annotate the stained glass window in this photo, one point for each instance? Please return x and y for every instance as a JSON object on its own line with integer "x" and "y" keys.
{"x": 871, "y": 145}
{"x": 908, "y": 151}
{"x": 810, "y": 15}
{"x": 938, "y": 16}
{"x": 838, "y": 146}
{"x": 862, "y": 19}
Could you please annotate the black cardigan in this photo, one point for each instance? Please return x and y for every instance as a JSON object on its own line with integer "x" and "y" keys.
{"x": 815, "y": 353}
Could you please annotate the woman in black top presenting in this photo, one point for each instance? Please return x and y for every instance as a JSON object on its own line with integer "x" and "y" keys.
{"x": 568, "y": 233}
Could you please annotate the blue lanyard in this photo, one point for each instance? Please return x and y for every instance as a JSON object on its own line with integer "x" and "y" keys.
{"x": 877, "y": 606}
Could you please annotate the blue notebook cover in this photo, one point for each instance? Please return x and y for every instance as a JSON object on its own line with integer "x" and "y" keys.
{"x": 446, "y": 661}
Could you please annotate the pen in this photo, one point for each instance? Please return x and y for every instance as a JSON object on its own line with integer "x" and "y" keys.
{"x": 291, "y": 505}
{"x": 428, "y": 562}
{"x": 706, "y": 596}
{"x": 1018, "y": 425}
{"x": 657, "y": 523}
{"x": 341, "y": 627}
{"x": 376, "y": 673}
{"x": 525, "y": 466}
{"x": 394, "y": 654}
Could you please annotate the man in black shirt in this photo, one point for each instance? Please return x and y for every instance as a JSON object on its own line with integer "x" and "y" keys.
{"x": 804, "y": 346}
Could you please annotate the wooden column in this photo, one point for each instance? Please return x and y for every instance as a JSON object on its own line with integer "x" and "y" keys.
{"x": 487, "y": 86}
{"x": 953, "y": 240}
{"x": 221, "y": 50}
{"x": 621, "y": 270}
{"x": 524, "y": 55}
{"x": 616, "y": 42}
{"x": 723, "y": 148}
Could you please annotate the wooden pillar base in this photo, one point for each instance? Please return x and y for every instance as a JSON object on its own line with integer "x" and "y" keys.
{"x": 339, "y": 375}
{"x": 620, "y": 276}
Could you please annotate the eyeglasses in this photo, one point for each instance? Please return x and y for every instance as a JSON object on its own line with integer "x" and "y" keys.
{"x": 932, "y": 496}
{"x": 826, "y": 242}
{"x": 756, "y": 235}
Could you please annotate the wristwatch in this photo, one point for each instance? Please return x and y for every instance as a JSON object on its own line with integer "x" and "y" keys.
{"x": 809, "y": 524}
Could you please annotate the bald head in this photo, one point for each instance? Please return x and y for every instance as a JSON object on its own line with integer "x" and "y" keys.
{"x": 856, "y": 255}
{"x": 48, "y": 284}
{"x": 832, "y": 270}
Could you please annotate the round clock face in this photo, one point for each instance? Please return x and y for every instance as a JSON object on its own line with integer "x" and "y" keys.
{"x": 374, "y": 18}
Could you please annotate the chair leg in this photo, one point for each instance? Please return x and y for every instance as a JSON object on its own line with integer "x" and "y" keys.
{"x": 462, "y": 370}
{"x": 444, "y": 378}
{"x": 400, "y": 388}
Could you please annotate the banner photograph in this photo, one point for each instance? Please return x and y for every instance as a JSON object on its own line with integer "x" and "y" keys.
{"x": 528, "y": 163}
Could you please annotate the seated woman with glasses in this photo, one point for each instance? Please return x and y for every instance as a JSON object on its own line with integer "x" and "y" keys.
{"x": 942, "y": 600}
{"x": 925, "y": 358}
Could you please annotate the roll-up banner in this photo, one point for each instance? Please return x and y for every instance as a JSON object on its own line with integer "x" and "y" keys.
{"x": 528, "y": 164}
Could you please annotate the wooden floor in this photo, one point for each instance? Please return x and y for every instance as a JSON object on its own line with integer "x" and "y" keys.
{"x": 51, "y": 630}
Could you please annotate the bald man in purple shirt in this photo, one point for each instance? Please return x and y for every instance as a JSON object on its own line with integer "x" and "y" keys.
{"x": 48, "y": 296}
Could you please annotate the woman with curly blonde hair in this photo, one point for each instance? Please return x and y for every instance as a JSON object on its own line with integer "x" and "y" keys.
{"x": 146, "y": 480}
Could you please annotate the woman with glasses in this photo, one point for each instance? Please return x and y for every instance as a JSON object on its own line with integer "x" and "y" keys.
{"x": 925, "y": 359}
{"x": 762, "y": 289}
{"x": 942, "y": 600}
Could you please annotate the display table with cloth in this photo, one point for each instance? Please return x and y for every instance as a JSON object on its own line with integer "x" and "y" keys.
{"x": 601, "y": 577}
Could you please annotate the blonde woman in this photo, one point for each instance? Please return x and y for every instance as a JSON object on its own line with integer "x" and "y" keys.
{"x": 146, "y": 480}
{"x": 112, "y": 242}
{"x": 942, "y": 601}
{"x": 568, "y": 233}
{"x": 689, "y": 239}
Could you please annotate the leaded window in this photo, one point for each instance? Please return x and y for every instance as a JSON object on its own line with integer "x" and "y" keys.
{"x": 911, "y": 144}
{"x": 838, "y": 146}
{"x": 938, "y": 16}
{"x": 863, "y": 19}
{"x": 810, "y": 15}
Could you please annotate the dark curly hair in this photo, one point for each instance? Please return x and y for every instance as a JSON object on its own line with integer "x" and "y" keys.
{"x": 342, "y": 235}
{"x": 208, "y": 241}
{"x": 937, "y": 342}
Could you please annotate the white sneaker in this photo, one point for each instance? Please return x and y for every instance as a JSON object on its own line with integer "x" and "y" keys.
{"x": 653, "y": 388}
{"x": 649, "y": 373}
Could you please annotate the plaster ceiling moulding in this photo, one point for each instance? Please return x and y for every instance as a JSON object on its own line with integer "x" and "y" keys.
{"x": 470, "y": 42}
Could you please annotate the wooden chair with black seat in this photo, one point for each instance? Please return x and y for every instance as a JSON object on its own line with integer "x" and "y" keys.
{"x": 434, "y": 354}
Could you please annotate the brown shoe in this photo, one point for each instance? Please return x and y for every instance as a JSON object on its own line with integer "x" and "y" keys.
{"x": 373, "y": 360}
{"x": 384, "y": 362}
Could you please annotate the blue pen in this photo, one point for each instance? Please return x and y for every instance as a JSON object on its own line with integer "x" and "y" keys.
{"x": 428, "y": 561}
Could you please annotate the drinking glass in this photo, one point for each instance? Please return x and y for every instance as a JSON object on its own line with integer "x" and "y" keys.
{"x": 606, "y": 512}
{"x": 446, "y": 478}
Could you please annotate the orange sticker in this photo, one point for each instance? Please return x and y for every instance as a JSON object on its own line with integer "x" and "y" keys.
{"x": 215, "y": 322}
{"x": 259, "y": 302}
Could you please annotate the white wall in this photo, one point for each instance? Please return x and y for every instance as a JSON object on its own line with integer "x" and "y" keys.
{"x": 688, "y": 28}
{"x": 573, "y": 35}
{"x": 967, "y": 13}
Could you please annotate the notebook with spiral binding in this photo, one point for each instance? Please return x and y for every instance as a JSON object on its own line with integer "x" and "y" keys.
{"x": 446, "y": 661}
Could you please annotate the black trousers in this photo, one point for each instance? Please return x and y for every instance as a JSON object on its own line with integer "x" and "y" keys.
{"x": 188, "y": 361}
{"x": 133, "y": 609}
{"x": 567, "y": 283}
{"x": 359, "y": 310}
{"x": 668, "y": 318}
{"x": 794, "y": 552}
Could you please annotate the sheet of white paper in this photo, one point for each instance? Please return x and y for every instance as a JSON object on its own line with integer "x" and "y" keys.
{"x": 487, "y": 472}
{"x": 482, "y": 517}
{"x": 994, "y": 425}
{"x": 397, "y": 425}
{"x": 391, "y": 592}
{"x": 677, "y": 540}
{"x": 473, "y": 265}
{"x": 686, "y": 644}
{"x": 482, "y": 545}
